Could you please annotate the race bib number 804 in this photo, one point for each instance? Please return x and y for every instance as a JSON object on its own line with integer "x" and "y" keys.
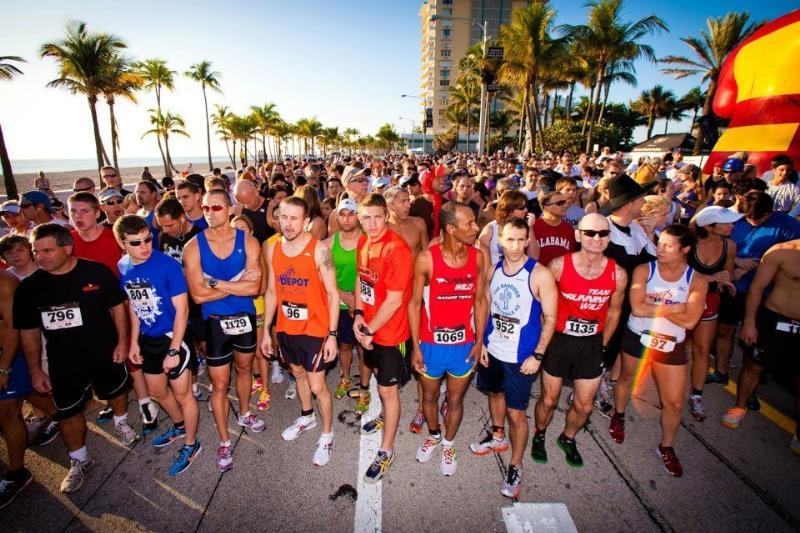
{"x": 62, "y": 317}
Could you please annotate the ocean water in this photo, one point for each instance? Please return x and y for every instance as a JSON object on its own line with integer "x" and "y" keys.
{"x": 25, "y": 166}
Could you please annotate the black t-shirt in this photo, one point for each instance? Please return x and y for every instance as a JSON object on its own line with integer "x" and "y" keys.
{"x": 261, "y": 230}
{"x": 173, "y": 246}
{"x": 711, "y": 184}
{"x": 422, "y": 208}
{"x": 72, "y": 310}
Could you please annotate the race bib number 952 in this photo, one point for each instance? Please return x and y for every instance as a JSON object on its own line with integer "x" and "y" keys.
{"x": 62, "y": 317}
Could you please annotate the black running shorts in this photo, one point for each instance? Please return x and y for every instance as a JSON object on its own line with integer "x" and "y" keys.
{"x": 73, "y": 383}
{"x": 570, "y": 357}
{"x": 241, "y": 337}
{"x": 393, "y": 363}
{"x": 778, "y": 337}
{"x": 154, "y": 350}
{"x": 302, "y": 350}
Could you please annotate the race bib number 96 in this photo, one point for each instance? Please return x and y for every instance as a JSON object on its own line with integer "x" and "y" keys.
{"x": 235, "y": 325}
{"x": 62, "y": 317}
{"x": 294, "y": 311}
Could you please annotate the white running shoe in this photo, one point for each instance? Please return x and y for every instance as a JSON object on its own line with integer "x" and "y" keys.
{"x": 126, "y": 433}
{"x": 301, "y": 424}
{"x": 76, "y": 475}
{"x": 429, "y": 445}
{"x": 251, "y": 422}
{"x": 322, "y": 455}
{"x": 449, "y": 462}
{"x": 291, "y": 390}
{"x": 276, "y": 374}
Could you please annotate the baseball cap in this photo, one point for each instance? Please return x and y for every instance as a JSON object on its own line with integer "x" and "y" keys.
{"x": 733, "y": 165}
{"x": 383, "y": 181}
{"x": 347, "y": 203}
{"x": 351, "y": 172}
{"x": 716, "y": 215}
{"x": 408, "y": 180}
{"x": 107, "y": 194}
{"x": 37, "y": 197}
{"x": 10, "y": 206}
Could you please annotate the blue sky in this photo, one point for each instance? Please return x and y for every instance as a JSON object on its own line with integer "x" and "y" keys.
{"x": 345, "y": 62}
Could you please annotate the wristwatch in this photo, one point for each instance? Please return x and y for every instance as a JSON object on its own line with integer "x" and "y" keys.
{"x": 213, "y": 283}
{"x": 333, "y": 333}
{"x": 358, "y": 312}
{"x": 538, "y": 356}
{"x": 173, "y": 352}
{"x": 5, "y": 371}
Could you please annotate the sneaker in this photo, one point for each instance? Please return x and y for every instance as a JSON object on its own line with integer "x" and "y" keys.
{"x": 753, "y": 403}
{"x": 717, "y": 378}
{"x": 126, "y": 433}
{"x": 671, "y": 463}
{"x": 76, "y": 475}
{"x": 696, "y": 407}
{"x": 617, "y": 429}
{"x": 342, "y": 388}
{"x": 425, "y": 452}
{"x": 264, "y": 400}
{"x": 372, "y": 426}
{"x": 489, "y": 444}
{"x": 10, "y": 488}
{"x": 733, "y": 417}
{"x": 47, "y": 435}
{"x": 256, "y": 385}
{"x": 106, "y": 414}
{"x": 276, "y": 373}
{"x": 35, "y": 427}
{"x": 251, "y": 422}
{"x": 224, "y": 458}
{"x": 443, "y": 409}
{"x": 795, "y": 444}
{"x": 149, "y": 412}
{"x": 538, "y": 449}
{"x": 449, "y": 463}
{"x": 201, "y": 365}
{"x": 379, "y": 467}
{"x": 322, "y": 455}
{"x": 362, "y": 403}
{"x": 570, "y": 450}
{"x": 291, "y": 390}
{"x": 168, "y": 437}
{"x": 416, "y": 424}
{"x": 604, "y": 400}
{"x": 198, "y": 394}
{"x": 512, "y": 482}
{"x": 301, "y": 424}
{"x": 186, "y": 456}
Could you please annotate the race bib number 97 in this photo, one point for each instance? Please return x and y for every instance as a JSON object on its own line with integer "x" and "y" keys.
{"x": 657, "y": 341}
{"x": 62, "y": 317}
{"x": 235, "y": 325}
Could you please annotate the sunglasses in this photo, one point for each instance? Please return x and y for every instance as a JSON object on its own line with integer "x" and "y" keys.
{"x": 146, "y": 240}
{"x": 592, "y": 233}
{"x": 106, "y": 176}
{"x": 215, "y": 208}
{"x": 82, "y": 190}
{"x": 558, "y": 203}
{"x": 358, "y": 180}
{"x": 114, "y": 202}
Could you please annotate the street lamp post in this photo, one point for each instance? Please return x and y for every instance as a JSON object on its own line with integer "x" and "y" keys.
{"x": 424, "y": 121}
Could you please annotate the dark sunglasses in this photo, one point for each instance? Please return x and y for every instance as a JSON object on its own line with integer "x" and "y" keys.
{"x": 113, "y": 202}
{"x": 359, "y": 180}
{"x": 215, "y": 208}
{"x": 558, "y": 203}
{"x": 592, "y": 233}
{"x": 146, "y": 240}
{"x": 106, "y": 176}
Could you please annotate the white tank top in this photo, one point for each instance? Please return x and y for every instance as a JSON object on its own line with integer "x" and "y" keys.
{"x": 663, "y": 292}
{"x": 495, "y": 252}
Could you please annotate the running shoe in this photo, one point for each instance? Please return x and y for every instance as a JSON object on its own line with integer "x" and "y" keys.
{"x": 372, "y": 426}
{"x": 449, "y": 463}
{"x": 443, "y": 408}
{"x": 512, "y": 482}
{"x": 276, "y": 373}
{"x": 76, "y": 475}
{"x": 301, "y": 424}
{"x": 264, "y": 400}
{"x": 671, "y": 463}
{"x": 224, "y": 458}
{"x": 256, "y": 385}
{"x": 198, "y": 394}
{"x": 35, "y": 425}
{"x": 168, "y": 437}
{"x": 379, "y": 467}
{"x": 322, "y": 455}
{"x": 604, "y": 400}
{"x": 696, "y": 407}
{"x": 429, "y": 445}
{"x": 291, "y": 390}
{"x": 795, "y": 444}
{"x": 753, "y": 403}
{"x": 538, "y": 449}
{"x": 149, "y": 412}
{"x": 416, "y": 423}
{"x": 47, "y": 435}
{"x": 251, "y": 422}
{"x": 342, "y": 388}
{"x": 733, "y": 417}
{"x": 126, "y": 433}
{"x": 617, "y": 428}
{"x": 104, "y": 415}
{"x": 201, "y": 365}
{"x": 489, "y": 444}
{"x": 570, "y": 450}
{"x": 9, "y": 488}
{"x": 362, "y": 403}
{"x": 186, "y": 456}
{"x": 717, "y": 378}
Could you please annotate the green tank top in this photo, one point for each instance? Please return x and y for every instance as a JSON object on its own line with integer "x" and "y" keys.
{"x": 345, "y": 263}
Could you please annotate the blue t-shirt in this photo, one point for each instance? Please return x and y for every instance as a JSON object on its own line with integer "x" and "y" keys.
{"x": 150, "y": 287}
{"x": 200, "y": 222}
{"x": 752, "y": 242}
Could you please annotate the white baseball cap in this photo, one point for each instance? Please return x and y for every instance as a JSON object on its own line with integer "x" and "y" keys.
{"x": 716, "y": 215}
{"x": 347, "y": 203}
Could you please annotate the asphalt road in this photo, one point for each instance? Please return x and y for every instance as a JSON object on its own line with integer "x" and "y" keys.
{"x": 743, "y": 480}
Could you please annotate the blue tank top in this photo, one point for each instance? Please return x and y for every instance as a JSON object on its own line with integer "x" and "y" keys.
{"x": 514, "y": 315}
{"x": 230, "y": 268}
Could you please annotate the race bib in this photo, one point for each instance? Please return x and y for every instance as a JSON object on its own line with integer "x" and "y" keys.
{"x": 449, "y": 335}
{"x": 506, "y": 326}
{"x": 62, "y": 317}
{"x": 657, "y": 341}
{"x": 792, "y": 327}
{"x": 577, "y": 327}
{"x": 294, "y": 311}
{"x": 235, "y": 324}
{"x": 142, "y": 298}
{"x": 367, "y": 293}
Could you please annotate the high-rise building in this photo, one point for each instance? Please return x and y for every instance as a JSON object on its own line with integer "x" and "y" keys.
{"x": 445, "y": 41}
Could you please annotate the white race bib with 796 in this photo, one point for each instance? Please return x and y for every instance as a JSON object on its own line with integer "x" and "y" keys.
{"x": 62, "y": 317}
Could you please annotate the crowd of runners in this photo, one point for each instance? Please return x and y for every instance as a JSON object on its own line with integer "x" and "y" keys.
{"x": 581, "y": 270}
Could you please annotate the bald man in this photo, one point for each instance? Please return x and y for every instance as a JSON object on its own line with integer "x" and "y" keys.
{"x": 84, "y": 185}
{"x": 254, "y": 207}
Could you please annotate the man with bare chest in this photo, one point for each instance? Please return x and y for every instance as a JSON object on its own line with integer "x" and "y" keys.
{"x": 412, "y": 229}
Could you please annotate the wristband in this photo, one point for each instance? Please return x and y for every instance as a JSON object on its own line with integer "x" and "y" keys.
{"x": 173, "y": 352}
{"x": 538, "y": 356}
{"x": 333, "y": 333}
{"x": 358, "y": 312}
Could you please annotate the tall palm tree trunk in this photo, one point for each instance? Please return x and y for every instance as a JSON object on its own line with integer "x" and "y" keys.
{"x": 605, "y": 101}
{"x": 569, "y": 101}
{"x": 208, "y": 130}
{"x": 588, "y": 110}
{"x": 233, "y": 157}
{"x": 169, "y": 157}
{"x": 707, "y": 110}
{"x": 228, "y": 149}
{"x": 522, "y": 115}
{"x": 8, "y": 174}
{"x": 114, "y": 134}
{"x": 167, "y": 171}
{"x": 98, "y": 142}
{"x": 537, "y": 112}
{"x": 651, "y": 121}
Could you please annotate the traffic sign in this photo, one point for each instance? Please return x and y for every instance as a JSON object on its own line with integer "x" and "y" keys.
{"x": 495, "y": 52}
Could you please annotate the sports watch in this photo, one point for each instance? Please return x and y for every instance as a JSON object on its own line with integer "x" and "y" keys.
{"x": 213, "y": 283}
{"x": 173, "y": 352}
{"x": 538, "y": 356}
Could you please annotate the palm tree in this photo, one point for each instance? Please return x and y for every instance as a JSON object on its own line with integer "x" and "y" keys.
{"x": 693, "y": 100}
{"x": 201, "y": 73}
{"x": 610, "y": 39}
{"x": 350, "y": 134}
{"x": 281, "y": 131}
{"x": 121, "y": 81}
{"x": 502, "y": 120}
{"x": 157, "y": 76}
{"x": 653, "y": 103}
{"x": 465, "y": 97}
{"x": 618, "y": 71}
{"x": 7, "y": 72}
{"x": 310, "y": 128}
{"x": 723, "y": 35}
{"x": 265, "y": 118}
{"x": 221, "y": 120}
{"x": 163, "y": 126}
{"x": 329, "y": 137}
{"x": 83, "y": 59}
{"x": 673, "y": 110}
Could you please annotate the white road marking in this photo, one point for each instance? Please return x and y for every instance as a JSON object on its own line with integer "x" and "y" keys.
{"x": 368, "y": 505}
{"x": 538, "y": 518}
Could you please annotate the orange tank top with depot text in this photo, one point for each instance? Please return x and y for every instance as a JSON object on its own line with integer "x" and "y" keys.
{"x": 301, "y": 297}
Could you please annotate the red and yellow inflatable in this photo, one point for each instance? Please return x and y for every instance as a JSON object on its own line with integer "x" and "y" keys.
{"x": 759, "y": 91}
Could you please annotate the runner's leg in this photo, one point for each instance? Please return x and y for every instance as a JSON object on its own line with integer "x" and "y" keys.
{"x": 548, "y": 400}
{"x": 581, "y": 408}
{"x": 220, "y": 377}
{"x": 456, "y": 389}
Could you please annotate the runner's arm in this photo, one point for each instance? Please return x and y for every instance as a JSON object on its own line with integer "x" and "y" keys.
{"x": 393, "y": 301}
{"x": 327, "y": 273}
{"x": 31, "y": 341}
{"x": 181, "y": 304}
{"x": 133, "y": 319}
{"x": 766, "y": 272}
{"x": 544, "y": 287}
{"x": 615, "y": 305}
{"x": 638, "y": 297}
{"x": 194, "y": 276}
{"x": 481, "y": 312}
{"x": 421, "y": 274}
{"x": 556, "y": 267}
{"x": 423, "y": 234}
{"x": 246, "y": 286}
{"x": 270, "y": 297}
{"x": 11, "y": 339}
{"x": 694, "y": 304}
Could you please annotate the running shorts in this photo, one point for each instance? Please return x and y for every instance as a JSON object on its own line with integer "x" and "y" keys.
{"x": 393, "y": 363}
{"x": 711, "y": 309}
{"x": 632, "y": 345}
{"x": 154, "y": 350}
{"x": 778, "y": 337}
{"x": 19, "y": 381}
{"x": 224, "y": 334}
{"x": 570, "y": 357}
{"x": 506, "y": 378}
{"x": 302, "y": 350}
{"x": 345, "y": 329}
{"x": 73, "y": 384}
{"x": 451, "y": 359}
